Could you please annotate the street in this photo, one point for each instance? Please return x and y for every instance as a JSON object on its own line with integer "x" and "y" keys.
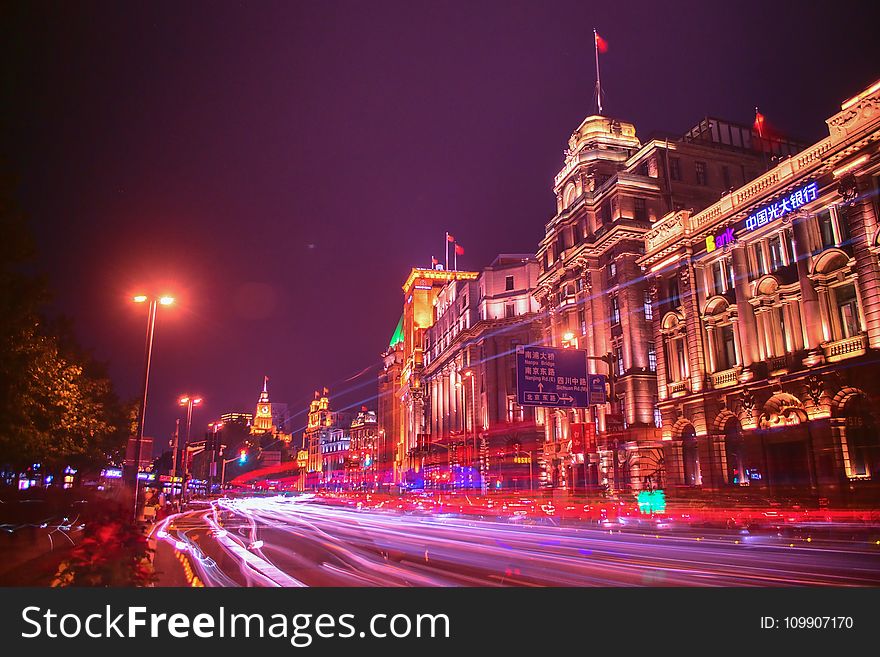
{"x": 298, "y": 542}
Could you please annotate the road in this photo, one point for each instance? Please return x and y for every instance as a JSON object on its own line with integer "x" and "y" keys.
{"x": 297, "y": 542}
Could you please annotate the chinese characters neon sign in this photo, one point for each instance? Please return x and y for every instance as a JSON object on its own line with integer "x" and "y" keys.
{"x": 800, "y": 196}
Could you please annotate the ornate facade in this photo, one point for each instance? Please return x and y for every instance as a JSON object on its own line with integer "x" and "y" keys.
{"x": 766, "y": 321}
{"x": 609, "y": 194}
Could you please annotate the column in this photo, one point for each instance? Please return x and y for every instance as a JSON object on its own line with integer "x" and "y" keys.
{"x": 746, "y": 325}
{"x": 809, "y": 296}
{"x": 863, "y": 225}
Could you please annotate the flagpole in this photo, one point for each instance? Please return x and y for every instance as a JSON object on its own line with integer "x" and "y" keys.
{"x": 446, "y": 260}
{"x": 598, "y": 79}
{"x": 455, "y": 256}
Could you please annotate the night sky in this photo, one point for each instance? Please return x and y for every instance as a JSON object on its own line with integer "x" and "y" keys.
{"x": 279, "y": 167}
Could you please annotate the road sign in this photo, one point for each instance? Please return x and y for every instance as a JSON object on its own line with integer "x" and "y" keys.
{"x": 546, "y": 376}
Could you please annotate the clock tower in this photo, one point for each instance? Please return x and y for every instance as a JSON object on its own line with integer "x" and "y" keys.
{"x": 263, "y": 421}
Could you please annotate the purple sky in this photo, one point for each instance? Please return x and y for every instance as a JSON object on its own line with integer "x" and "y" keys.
{"x": 279, "y": 167}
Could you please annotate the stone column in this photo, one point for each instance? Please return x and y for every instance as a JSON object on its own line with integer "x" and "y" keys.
{"x": 746, "y": 324}
{"x": 862, "y": 226}
{"x": 809, "y": 296}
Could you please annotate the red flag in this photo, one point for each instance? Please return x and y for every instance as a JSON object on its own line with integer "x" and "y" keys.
{"x": 449, "y": 238}
{"x": 434, "y": 261}
{"x": 459, "y": 250}
{"x": 759, "y": 122}
{"x": 601, "y": 44}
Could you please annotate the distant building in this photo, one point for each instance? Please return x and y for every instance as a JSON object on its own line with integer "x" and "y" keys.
{"x": 326, "y": 441}
{"x": 361, "y": 468}
{"x": 389, "y": 419}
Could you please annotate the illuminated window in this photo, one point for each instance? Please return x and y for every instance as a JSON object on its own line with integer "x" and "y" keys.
{"x": 848, "y": 310}
{"x": 618, "y": 356}
{"x": 612, "y": 269}
{"x": 760, "y": 264}
{"x": 649, "y": 308}
{"x": 658, "y": 416}
{"x": 777, "y": 260}
{"x": 615, "y": 311}
{"x": 582, "y": 321}
{"x": 652, "y": 357}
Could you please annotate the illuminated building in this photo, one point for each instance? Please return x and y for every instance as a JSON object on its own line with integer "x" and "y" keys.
{"x": 767, "y": 324}
{"x": 361, "y": 467}
{"x": 326, "y": 440}
{"x": 477, "y": 436}
{"x": 243, "y": 419}
{"x": 408, "y": 393}
{"x": 610, "y": 191}
{"x": 389, "y": 417}
{"x": 265, "y": 424}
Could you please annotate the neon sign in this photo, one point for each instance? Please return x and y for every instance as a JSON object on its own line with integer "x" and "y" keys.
{"x": 721, "y": 240}
{"x": 783, "y": 206}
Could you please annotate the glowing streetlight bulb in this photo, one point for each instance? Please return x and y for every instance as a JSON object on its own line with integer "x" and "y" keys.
{"x": 183, "y": 401}
{"x": 166, "y": 301}
{"x": 141, "y": 298}
{"x": 568, "y": 337}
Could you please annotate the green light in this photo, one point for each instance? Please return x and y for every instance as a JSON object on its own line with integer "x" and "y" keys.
{"x": 652, "y": 501}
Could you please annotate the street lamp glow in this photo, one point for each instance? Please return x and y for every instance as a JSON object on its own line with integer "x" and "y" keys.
{"x": 568, "y": 337}
{"x": 166, "y": 301}
{"x": 141, "y": 298}
{"x": 197, "y": 401}
{"x": 183, "y": 401}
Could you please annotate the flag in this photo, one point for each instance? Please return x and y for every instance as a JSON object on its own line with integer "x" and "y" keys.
{"x": 459, "y": 250}
{"x": 326, "y": 391}
{"x": 449, "y": 238}
{"x": 601, "y": 44}
{"x": 759, "y": 122}
{"x": 434, "y": 262}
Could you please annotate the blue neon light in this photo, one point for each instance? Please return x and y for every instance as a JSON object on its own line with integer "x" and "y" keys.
{"x": 783, "y": 206}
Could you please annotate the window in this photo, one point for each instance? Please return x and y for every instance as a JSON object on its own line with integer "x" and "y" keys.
{"x": 674, "y": 295}
{"x": 510, "y": 310}
{"x": 842, "y": 225}
{"x": 649, "y": 309}
{"x": 726, "y": 351}
{"x": 718, "y": 277}
{"x": 848, "y": 311}
{"x": 612, "y": 269}
{"x": 826, "y": 229}
{"x": 582, "y": 321}
{"x": 618, "y": 357}
{"x": 658, "y": 416}
{"x": 652, "y": 357}
{"x": 725, "y": 175}
{"x": 681, "y": 359}
{"x": 615, "y": 311}
{"x": 675, "y": 168}
{"x": 776, "y": 259}
{"x": 640, "y": 210}
{"x": 700, "y": 169}
{"x": 760, "y": 265}
{"x": 508, "y": 283}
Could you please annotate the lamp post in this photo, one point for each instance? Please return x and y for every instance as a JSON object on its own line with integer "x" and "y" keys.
{"x": 154, "y": 303}
{"x": 189, "y": 401}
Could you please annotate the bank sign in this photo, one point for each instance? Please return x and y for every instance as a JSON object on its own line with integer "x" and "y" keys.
{"x": 546, "y": 376}
{"x": 764, "y": 215}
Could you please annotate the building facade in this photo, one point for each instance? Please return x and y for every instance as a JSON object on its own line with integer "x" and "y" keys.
{"x": 766, "y": 323}
{"x": 362, "y": 464}
{"x": 594, "y": 296}
{"x": 477, "y": 434}
{"x": 325, "y": 440}
{"x": 420, "y": 292}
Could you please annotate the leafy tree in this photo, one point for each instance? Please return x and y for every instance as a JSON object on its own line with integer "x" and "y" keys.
{"x": 57, "y": 405}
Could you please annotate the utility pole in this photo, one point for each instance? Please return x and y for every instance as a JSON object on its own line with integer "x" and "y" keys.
{"x": 175, "y": 456}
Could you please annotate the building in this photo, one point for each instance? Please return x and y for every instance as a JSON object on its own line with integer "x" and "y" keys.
{"x": 406, "y": 392}
{"x": 477, "y": 434}
{"x": 389, "y": 422}
{"x": 326, "y": 441}
{"x": 611, "y": 190}
{"x": 265, "y": 426}
{"x": 767, "y": 324}
{"x": 362, "y": 465}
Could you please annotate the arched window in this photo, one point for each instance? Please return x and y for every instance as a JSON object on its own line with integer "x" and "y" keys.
{"x": 690, "y": 456}
{"x": 570, "y": 195}
{"x": 862, "y": 440}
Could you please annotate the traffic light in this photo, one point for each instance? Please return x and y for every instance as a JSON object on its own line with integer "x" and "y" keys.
{"x": 242, "y": 457}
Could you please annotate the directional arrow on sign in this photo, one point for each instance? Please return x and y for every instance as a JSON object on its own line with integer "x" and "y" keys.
{"x": 566, "y": 398}
{"x": 541, "y": 387}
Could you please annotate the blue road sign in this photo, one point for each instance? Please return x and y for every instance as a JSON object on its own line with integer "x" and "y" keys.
{"x": 546, "y": 376}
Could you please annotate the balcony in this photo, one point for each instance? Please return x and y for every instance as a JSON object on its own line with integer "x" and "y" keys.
{"x": 779, "y": 364}
{"x": 678, "y": 388}
{"x": 846, "y": 348}
{"x": 725, "y": 378}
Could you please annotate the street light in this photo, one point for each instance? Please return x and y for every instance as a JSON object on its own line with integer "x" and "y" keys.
{"x": 148, "y": 354}
{"x": 469, "y": 374}
{"x": 189, "y": 401}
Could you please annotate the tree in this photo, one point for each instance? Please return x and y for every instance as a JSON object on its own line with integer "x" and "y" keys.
{"x": 57, "y": 405}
